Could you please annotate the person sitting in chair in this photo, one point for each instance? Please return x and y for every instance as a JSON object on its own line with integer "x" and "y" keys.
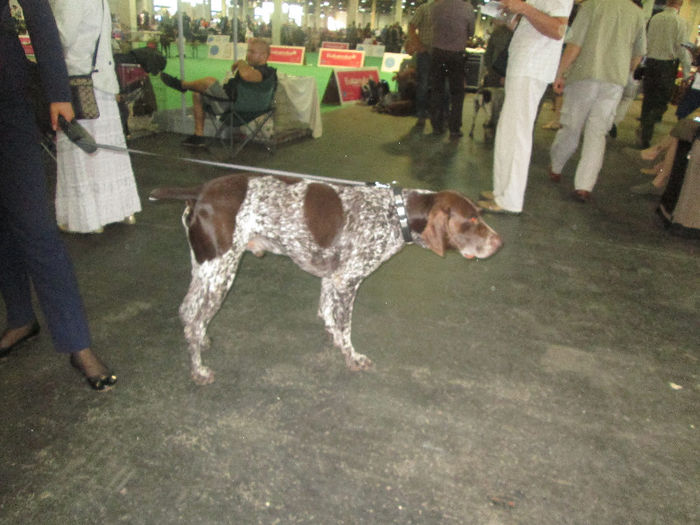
{"x": 209, "y": 91}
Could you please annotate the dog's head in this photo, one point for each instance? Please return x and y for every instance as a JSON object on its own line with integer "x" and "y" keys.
{"x": 448, "y": 220}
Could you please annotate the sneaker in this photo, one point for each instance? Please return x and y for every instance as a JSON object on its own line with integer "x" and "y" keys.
{"x": 646, "y": 188}
{"x": 582, "y": 196}
{"x": 172, "y": 82}
{"x": 553, "y": 176}
{"x": 195, "y": 141}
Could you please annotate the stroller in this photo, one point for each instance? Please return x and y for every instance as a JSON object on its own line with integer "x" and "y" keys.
{"x": 136, "y": 95}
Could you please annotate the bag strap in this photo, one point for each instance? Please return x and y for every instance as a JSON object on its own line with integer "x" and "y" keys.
{"x": 97, "y": 45}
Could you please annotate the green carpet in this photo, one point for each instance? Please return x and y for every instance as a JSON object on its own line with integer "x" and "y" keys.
{"x": 211, "y": 67}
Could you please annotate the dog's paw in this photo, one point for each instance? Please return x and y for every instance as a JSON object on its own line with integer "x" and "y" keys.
{"x": 203, "y": 375}
{"x": 357, "y": 362}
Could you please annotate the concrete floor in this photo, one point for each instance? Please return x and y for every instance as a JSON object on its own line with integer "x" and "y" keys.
{"x": 536, "y": 387}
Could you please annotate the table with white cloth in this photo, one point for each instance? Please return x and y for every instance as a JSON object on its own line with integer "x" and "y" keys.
{"x": 297, "y": 105}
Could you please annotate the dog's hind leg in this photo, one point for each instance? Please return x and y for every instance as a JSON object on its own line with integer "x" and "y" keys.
{"x": 335, "y": 308}
{"x": 210, "y": 282}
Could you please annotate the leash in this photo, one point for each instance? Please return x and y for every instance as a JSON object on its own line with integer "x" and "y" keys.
{"x": 268, "y": 171}
{"x": 82, "y": 138}
{"x": 79, "y": 135}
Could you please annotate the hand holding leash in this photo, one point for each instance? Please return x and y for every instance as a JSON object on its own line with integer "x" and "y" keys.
{"x": 77, "y": 134}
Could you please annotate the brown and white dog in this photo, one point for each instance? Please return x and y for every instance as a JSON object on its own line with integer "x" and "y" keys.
{"x": 336, "y": 232}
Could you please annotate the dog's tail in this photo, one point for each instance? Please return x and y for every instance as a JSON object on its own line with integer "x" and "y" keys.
{"x": 180, "y": 194}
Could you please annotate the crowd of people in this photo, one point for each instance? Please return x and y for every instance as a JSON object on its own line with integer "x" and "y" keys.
{"x": 196, "y": 31}
{"x": 544, "y": 47}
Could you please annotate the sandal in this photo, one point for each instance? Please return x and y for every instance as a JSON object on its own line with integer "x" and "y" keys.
{"x": 99, "y": 383}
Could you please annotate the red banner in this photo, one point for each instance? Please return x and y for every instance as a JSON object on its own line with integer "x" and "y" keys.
{"x": 287, "y": 55}
{"x": 345, "y": 85}
{"x": 335, "y": 45}
{"x": 340, "y": 58}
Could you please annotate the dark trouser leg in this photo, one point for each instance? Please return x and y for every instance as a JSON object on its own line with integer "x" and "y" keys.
{"x": 438, "y": 70}
{"x": 455, "y": 75}
{"x": 659, "y": 81}
{"x": 422, "y": 84}
{"x": 30, "y": 246}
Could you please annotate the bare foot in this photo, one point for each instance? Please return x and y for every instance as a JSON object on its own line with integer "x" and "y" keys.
{"x": 649, "y": 153}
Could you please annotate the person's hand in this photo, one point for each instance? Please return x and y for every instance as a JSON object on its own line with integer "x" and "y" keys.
{"x": 238, "y": 63}
{"x": 513, "y": 6}
{"x": 559, "y": 84}
{"x": 60, "y": 108}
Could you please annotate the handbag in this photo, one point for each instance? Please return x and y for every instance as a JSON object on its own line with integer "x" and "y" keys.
{"x": 83, "y": 92}
{"x": 83, "y": 96}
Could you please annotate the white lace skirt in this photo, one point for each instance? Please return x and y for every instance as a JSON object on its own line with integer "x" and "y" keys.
{"x": 99, "y": 188}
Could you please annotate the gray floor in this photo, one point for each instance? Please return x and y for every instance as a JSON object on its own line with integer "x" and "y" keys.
{"x": 536, "y": 387}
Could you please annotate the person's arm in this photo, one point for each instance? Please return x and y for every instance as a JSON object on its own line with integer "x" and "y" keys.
{"x": 686, "y": 60}
{"x": 413, "y": 40}
{"x": 52, "y": 68}
{"x": 550, "y": 26}
{"x": 571, "y": 52}
{"x": 635, "y": 62}
{"x": 246, "y": 71}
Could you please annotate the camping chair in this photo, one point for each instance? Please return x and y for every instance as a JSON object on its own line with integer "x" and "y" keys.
{"x": 252, "y": 109}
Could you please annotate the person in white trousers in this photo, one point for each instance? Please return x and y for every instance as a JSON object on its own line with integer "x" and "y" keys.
{"x": 606, "y": 42}
{"x": 533, "y": 56}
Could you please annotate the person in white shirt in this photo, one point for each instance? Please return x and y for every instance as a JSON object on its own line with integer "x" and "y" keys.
{"x": 533, "y": 57}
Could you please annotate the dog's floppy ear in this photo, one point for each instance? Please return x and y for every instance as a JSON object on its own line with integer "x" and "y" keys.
{"x": 435, "y": 231}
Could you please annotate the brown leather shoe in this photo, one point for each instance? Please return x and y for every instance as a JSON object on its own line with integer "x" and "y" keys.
{"x": 581, "y": 195}
{"x": 554, "y": 177}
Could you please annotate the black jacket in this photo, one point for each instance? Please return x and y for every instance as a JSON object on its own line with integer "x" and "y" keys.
{"x": 14, "y": 66}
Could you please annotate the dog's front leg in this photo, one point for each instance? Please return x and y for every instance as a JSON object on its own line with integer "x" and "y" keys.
{"x": 210, "y": 282}
{"x": 335, "y": 308}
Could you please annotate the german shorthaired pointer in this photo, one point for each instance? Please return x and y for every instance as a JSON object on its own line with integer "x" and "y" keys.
{"x": 338, "y": 233}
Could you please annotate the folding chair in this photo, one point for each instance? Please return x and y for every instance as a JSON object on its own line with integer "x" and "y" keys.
{"x": 252, "y": 109}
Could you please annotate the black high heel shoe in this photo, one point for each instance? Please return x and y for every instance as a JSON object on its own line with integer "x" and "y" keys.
{"x": 33, "y": 332}
{"x": 99, "y": 383}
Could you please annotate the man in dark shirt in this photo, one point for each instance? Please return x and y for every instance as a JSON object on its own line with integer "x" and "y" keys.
{"x": 453, "y": 26}
{"x": 208, "y": 89}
